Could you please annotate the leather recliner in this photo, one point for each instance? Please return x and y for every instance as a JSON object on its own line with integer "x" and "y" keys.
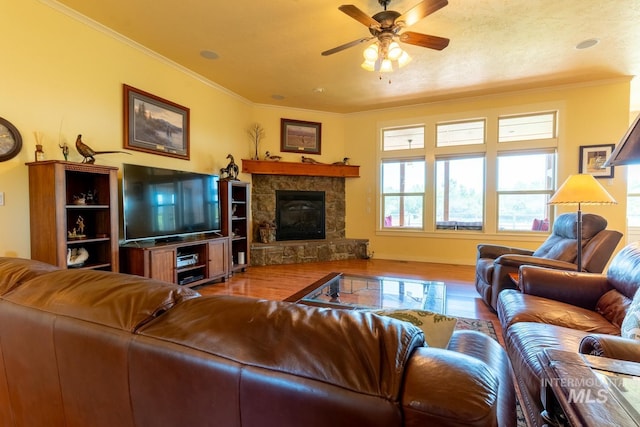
{"x": 569, "y": 311}
{"x": 494, "y": 263}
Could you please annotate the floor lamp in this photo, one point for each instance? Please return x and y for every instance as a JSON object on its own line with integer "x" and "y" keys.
{"x": 581, "y": 189}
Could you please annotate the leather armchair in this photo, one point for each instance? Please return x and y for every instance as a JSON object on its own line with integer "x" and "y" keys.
{"x": 494, "y": 263}
{"x": 573, "y": 311}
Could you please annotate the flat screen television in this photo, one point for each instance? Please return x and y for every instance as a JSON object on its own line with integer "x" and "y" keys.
{"x": 167, "y": 204}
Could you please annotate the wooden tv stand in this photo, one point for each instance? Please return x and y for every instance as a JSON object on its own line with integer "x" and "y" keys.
{"x": 189, "y": 262}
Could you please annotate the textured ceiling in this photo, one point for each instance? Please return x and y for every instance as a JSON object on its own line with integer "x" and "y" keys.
{"x": 267, "y": 48}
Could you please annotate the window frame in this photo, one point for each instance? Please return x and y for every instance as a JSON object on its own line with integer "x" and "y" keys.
{"x": 459, "y": 225}
{"x": 401, "y": 194}
{"x": 491, "y": 149}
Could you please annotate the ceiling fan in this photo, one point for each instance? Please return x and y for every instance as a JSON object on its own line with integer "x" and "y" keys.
{"x": 386, "y": 26}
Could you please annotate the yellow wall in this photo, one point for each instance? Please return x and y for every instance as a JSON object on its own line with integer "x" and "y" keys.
{"x": 62, "y": 76}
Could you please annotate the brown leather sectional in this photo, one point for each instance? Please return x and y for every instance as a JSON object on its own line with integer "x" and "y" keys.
{"x": 578, "y": 312}
{"x": 91, "y": 348}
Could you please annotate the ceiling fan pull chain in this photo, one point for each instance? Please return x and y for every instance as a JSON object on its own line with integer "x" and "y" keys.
{"x": 380, "y": 77}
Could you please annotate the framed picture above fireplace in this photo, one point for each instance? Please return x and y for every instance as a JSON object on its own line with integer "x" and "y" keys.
{"x": 297, "y": 136}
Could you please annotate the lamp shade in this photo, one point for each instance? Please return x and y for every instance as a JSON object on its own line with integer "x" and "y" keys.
{"x": 581, "y": 189}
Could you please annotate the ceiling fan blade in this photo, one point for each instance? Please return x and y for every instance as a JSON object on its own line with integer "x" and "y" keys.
{"x": 359, "y": 15}
{"x": 424, "y": 40}
{"x": 419, "y": 11}
{"x": 345, "y": 46}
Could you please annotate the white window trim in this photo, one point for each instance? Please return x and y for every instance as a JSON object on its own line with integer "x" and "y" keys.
{"x": 490, "y": 149}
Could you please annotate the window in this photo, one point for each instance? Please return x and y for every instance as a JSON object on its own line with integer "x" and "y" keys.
{"x": 460, "y": 133}
{"x": 403, "y": 186}
{"x": 486, "y": 171}
{"x": 525, "y": 185}
{"x": 407, "y": 138}
{"x": 460, "y": 193}
{"x": 527, "y": 127}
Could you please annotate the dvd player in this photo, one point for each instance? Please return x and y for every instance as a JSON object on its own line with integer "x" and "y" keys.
{"x": 191, "y": 279}
{"x": 186, "y": 260}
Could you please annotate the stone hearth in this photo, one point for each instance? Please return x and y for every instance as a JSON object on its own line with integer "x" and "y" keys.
{"x": 334, "y": 247}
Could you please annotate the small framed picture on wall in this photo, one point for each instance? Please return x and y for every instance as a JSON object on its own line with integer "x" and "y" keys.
{"x": 592, "y": 158}
{"x": 297, "y": 136}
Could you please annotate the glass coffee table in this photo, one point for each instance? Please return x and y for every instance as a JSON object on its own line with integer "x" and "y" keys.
{"x": 341, "y": 290}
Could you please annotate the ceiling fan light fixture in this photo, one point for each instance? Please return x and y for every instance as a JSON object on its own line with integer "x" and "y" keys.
{"x": 395, "y": 51}
{"x": 404, "y": 59}
{"x": 369, "y": 65}
{"x": 371, "y": 53}
{"x": 386, "y": 66}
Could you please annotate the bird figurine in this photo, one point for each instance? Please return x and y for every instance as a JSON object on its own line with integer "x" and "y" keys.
{"x": 87, "y": 152}
{"x": 344, "y": 161}
{"x": 268, "y": 156}
{"x": 310, "y": 160}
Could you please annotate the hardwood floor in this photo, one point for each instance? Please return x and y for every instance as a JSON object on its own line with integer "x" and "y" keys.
{"x": 277, "y": 282}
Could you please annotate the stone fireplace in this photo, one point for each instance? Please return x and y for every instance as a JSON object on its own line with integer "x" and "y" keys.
{"x": 332, "y": 246}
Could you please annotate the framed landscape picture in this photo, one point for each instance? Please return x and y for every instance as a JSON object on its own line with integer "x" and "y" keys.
{"x": 592, "y": 158}
{"x": 297, "y": 136}
{"x": 155, "y": 125}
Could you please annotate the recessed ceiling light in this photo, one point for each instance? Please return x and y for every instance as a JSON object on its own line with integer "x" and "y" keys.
{"x": 278, "y": 97}
{"x": 319, "y": 90}
{"x": 209, "y": 54}
{"x": 586, "y": 44}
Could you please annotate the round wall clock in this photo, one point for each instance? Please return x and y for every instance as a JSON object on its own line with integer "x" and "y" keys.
{"x": 10, "y": 140}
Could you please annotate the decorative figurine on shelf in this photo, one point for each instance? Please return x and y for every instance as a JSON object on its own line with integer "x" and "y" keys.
{"x": 310, "y": 160}
{"x": 87, "y": 152}
{"x": 77, "y": 232}
{"x": 65, "y": 150}
{"x": 268, "y": 156}
{"x": 80, "y": 224}
{"x": 344, "y": 161}
{"x": 80, "y": 200}
{"x": 256, "y": 133}
{"x": 231, "y": 171}
{"x": 91, "y": 197}
{"x": 76, "y": 257}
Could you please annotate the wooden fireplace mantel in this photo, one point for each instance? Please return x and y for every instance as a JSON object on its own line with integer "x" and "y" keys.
{"x": 266, "y": 167}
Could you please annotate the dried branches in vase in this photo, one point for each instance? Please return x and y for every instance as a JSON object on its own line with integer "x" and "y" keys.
{"x": 256, "y": 133}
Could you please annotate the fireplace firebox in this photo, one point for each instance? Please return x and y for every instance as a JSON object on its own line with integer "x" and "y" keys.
{"x": 300, "y": 215}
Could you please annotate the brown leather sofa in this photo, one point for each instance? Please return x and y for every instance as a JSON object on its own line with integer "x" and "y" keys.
{"x": 572, "y": 311}
{"x": 93, "y": 348}
{"x": 494, "y": 263}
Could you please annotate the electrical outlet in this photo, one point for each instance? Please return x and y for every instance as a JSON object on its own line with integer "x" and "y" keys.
{"x": 1, "y": 198}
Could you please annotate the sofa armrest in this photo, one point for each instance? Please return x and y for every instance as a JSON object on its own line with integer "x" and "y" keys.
{"x": 513, "y": 260}
{"x": 437, "y": 380}
{"x": 611, "y": 346}
{"x": 571, "y": 287}
{"x": 494, "y": 251}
